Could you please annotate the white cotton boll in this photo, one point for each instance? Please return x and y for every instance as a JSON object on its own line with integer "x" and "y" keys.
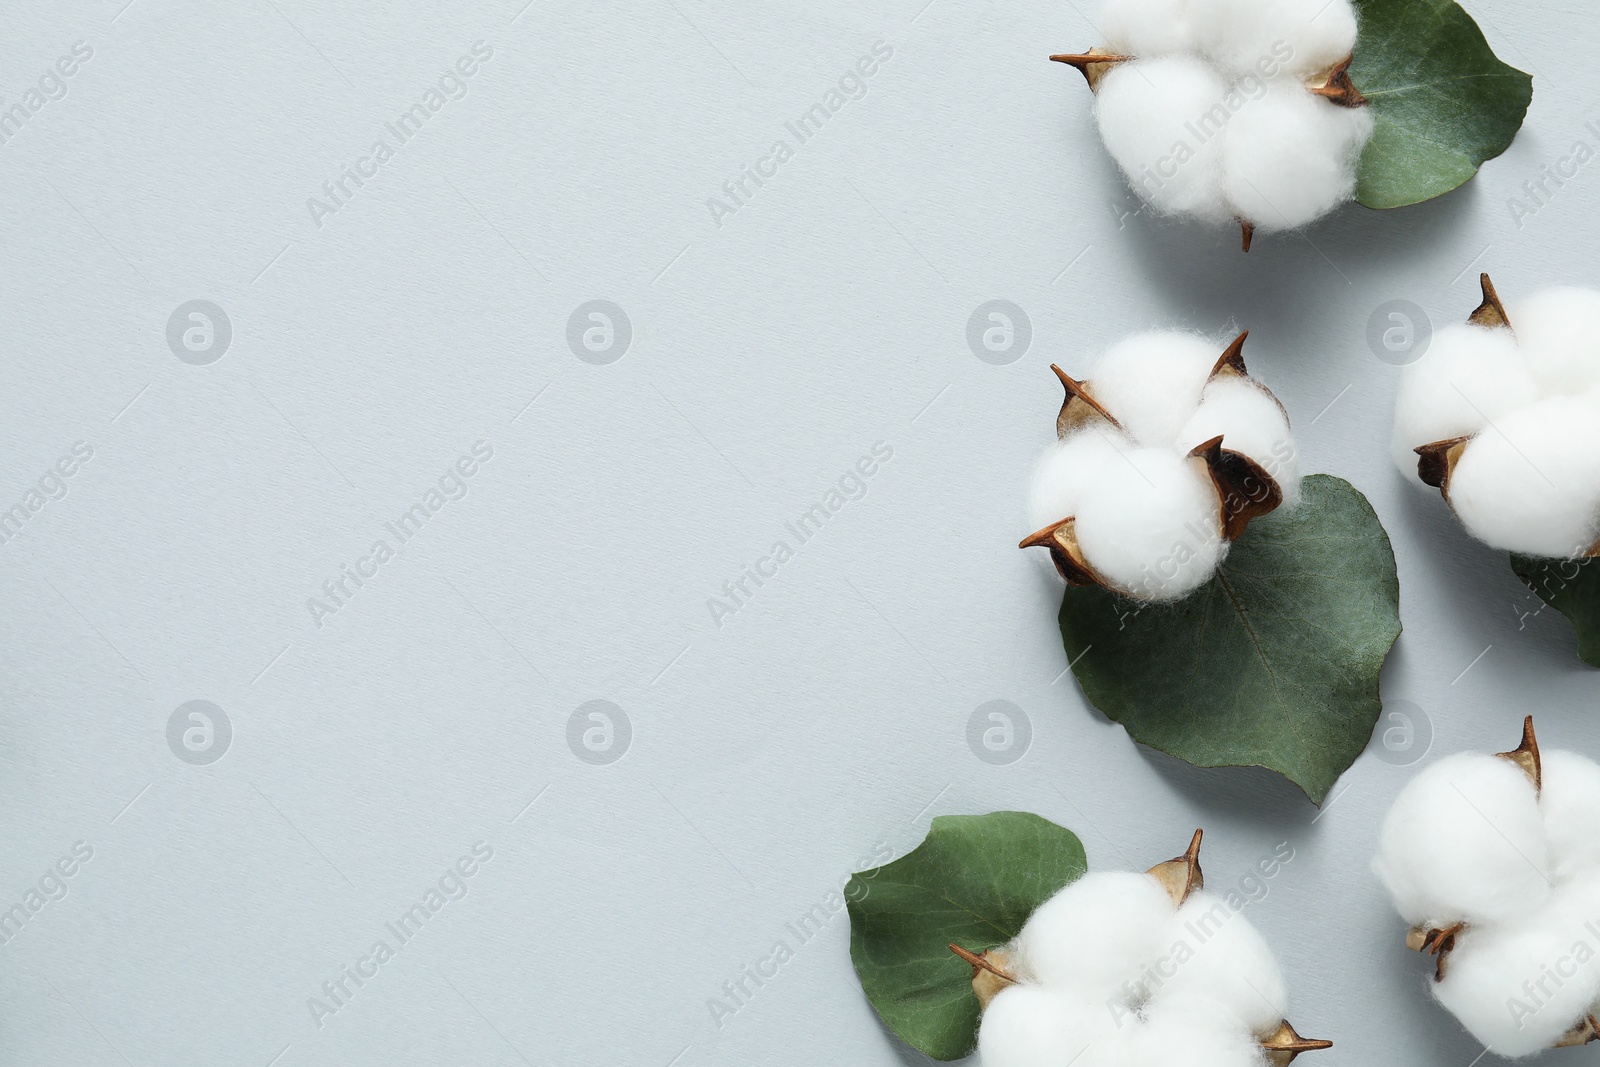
{"x": 1468, "y": 377}
{"x": 1272, "y": 37}
{"x": 1035, "y": 1026}
{"x": 1148, "y": 28}
{"x": 1153, "y": 529}
{"x": 1144, "y": 108}
{"x": 1251, "y": 423}
{"x": 1066, "y": 468}
{"x": 1531, "y": 482}
{"x": 1569, "y": 800}
{"x": 1484, "y": 987}
{"x": 1216, "y": 954}
{"x": 1559, "y": 333}
{"x": 1464, "y": 841}
{"x": 1152, "y": 382}
{"x": 1573, "y": 915}
{"x": 1289, "y": 157}
{"x": 1096, "y": 934}
{"x": 1194, "y": 1033}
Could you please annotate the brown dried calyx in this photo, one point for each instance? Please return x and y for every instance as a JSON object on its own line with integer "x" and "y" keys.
{"x": 1245, "y": 491}
{"x": 1440, "y": 942}
{"x": 1181, "y": 876}
{"x": 1333, "y": 84}
{"x": 1437, "y": 460}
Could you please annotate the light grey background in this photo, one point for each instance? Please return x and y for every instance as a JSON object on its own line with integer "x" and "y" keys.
{"x": 770, "y": 755}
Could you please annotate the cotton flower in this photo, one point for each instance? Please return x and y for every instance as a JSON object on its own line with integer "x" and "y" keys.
{"x": 1164, "y": 455}
{"x": 1504, "y": 413}
{"x": 1495, "y": 863}
{"x": 1226, "y": 110}
{"x": 1124, "y": 969}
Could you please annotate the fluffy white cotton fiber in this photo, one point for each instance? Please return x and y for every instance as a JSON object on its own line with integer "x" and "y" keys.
{"x": 1289, "y": 157}
{"x": 1144, "y": 110}
{"x": 1297, "y": 37}
{"x": 1148, "y": 28}
{"x": 1151, "y": 382}
{"x": 1464, "y": 842}
{"x": 1249, "y": 421}
{"x": 1093, "y": 934}
{"x": 1067, "y": 468}
{"x": 1471, "y": 847}
{"x": 1527, "y": 396}
{"x": 1035, "y": 1026}
{"x": 1214, "y": 118}
{"x": 1468, "y": 377}
{"x": 1152, "y": 528}
{"x": 1530, "y": 482}
{"x": 1559, "y": 330}
{"x": 1232, "y": 965}
{"x": 1148, "y": 517}
{"x": 1484, "y": 978}
{"x": 1570, "y": 806}
{"x": 1193, "y": 1034}
{"x": 1112, "y": 975}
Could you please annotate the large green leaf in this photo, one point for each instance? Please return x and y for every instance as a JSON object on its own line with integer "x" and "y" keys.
{"x": 973, "y": 882}
{"x": 1273, "y": 663}
{"x": 1572, "y": 587}
{"x": 1441, "y": 101}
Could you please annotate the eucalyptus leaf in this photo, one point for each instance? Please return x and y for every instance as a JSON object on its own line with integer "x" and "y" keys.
{"x": 973, "y": 882}
{"x": 1273, "y": 663}
{"x": 1572, "y": 587}
{"x": 1441, "y": 101}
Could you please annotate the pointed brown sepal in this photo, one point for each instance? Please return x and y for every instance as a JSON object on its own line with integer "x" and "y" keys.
{"x": 1078, "y": 407}
{"x": 1284, "y": 1045}
{"x": 1587, "y": 1030}
{"x": 1436, "y": 461}
{"x": 1181, "y": 875}
{"x": 1339, "y": 89}
{"x": 1092, "y": 64}
{"x": 1232, "y": 358}
{"x": 989, "y": 974}
{"x": 1526, "y": 755}
{"x": 1436, "y": 942}
{"x": 1247, "y": 233}
{"x": 1244, "y": 490}
{"x": 1490, "y": 314}
{"x": 1062, "y": 541}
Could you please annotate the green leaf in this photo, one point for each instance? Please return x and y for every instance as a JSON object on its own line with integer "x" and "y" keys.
{"x": 1441, "y": 101}
{"x": 1273, "y": 663}
{"x": 1572, "y": 587}
{"x": 973, "y": 882}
